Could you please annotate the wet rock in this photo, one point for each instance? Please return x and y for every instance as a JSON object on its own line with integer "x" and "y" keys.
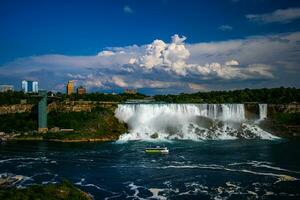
{"x": 204, "y": 122}
{"x": 154, "y": 136}
{"x": 9, "y": 180}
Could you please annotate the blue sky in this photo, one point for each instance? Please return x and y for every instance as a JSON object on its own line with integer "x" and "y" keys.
{"x": 111, "y": 45}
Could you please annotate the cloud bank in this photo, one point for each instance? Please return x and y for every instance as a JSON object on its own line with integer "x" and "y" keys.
{"x": 170, "y": 67}
{"x": 278, "y": 16}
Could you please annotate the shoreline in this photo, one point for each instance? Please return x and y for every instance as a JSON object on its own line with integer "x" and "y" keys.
{"x": 87, "y": 140}
{"x": 95, "y": 140}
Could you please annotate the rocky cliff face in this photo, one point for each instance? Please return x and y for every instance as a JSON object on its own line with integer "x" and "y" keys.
{"x": 17, "y": 108}
{"x": 282, "y": 108}
{"x": 72, "y": 106}
{"x": 252, "y": 109}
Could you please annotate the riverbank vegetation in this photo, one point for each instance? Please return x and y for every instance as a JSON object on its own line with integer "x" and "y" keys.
{"x": 287, "y": 118}
{"x": 18, "y": 122}
{"x": 62, "y": 191}
{"x": 100, "y": 123}
{"x": 97, "y": 124}
{"x": 283, "y": 124}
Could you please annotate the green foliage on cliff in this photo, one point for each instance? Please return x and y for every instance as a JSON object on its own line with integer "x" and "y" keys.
{"x": 10, "y": 97}
{"x": 61, "y": 191}
{"x": 282, "y": 124}
{"x": 18, "y": 122}
{"x": 99, "y": 122}
{"x": 274, "y": 95}
{"x": 287, "y": 118}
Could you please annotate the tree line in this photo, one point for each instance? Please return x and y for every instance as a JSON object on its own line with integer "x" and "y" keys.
{"x": 273, "y": 95}
{"x": 264, "y": 95}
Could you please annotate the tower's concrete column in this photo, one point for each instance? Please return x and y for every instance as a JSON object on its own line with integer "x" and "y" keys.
{"x": 42, "y": 112}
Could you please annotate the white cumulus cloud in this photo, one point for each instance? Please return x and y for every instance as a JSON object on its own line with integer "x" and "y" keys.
{"x": 232, "y": 63}
{"x": 119, "y": 82}
{"x": 106, "y": 53}
{"x": 170, "y": 57}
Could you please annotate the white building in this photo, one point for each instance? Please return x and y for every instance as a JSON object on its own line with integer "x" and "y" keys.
{"x": 30, "y": 86}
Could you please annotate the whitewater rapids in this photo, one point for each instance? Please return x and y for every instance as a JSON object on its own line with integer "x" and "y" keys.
{"x": 189, "y": 122}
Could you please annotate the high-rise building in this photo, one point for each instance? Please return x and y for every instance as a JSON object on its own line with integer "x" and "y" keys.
{"x": 30, "y": 86}
{"x": 81, "y": 90}
{"x": 70, "y": 87}
{"x": 5, "y": 88}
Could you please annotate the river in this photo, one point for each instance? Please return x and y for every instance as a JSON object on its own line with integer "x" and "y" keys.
{"x": 212, "y": 169}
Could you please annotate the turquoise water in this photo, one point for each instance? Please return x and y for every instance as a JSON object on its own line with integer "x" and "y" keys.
{"x": 234, "y": 169}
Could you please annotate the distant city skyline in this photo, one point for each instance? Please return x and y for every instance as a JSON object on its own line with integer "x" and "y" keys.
{"x": 29, "y": 86}
{"x": 156, "y": 47}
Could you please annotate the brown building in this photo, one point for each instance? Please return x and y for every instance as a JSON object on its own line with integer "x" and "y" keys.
{"x": 81, "y": 90}
{"x": 70, "y": 87}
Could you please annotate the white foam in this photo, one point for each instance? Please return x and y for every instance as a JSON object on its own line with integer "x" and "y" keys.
{"x": 83, "y": 184}
{"x": 23, "y": 159}
{"x": 134, "y": 188}
{"x": 155, "y": 193}
{"x": 157, "y": 122}
{"x": 113, "y": 197}
{"x": 278, "y": 177}
{"x": 263, "y": 164}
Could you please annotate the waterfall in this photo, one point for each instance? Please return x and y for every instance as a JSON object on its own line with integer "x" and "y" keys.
{"x": 186, "y": 121}
{"x": 263, "y": 111}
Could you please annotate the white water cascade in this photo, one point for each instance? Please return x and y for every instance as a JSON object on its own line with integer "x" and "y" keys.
{"x": 187, "y": 121}
{"x": 263, "y": 111}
